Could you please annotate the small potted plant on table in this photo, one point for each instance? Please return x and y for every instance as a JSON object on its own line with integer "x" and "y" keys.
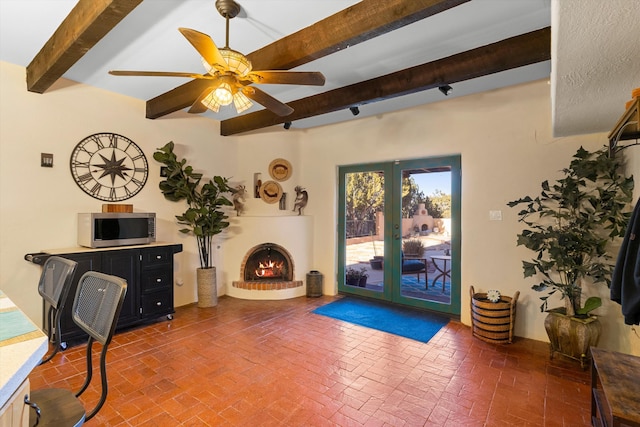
{"x": 356, "y": 276}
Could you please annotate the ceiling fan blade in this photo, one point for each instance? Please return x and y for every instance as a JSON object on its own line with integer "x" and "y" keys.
{"x": 159, "y": 74}
{"x": 205, "y": 47}
{"x": 267, "y": 101}
{"x": 312, "y": 78}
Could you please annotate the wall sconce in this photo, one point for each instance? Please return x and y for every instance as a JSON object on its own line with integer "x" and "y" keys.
{"x": 287, "y": 125}
{"x": 446, "y": 90}
{"x": 354, "y": 110}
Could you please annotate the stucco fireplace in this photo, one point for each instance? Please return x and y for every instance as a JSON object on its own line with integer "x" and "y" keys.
{"x": 267, "y": 257}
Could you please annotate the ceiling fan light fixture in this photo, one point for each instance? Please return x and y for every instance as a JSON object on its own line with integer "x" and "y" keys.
{"x": 211, "y": 103}
{"x": 237, "y": 62}
{"x": 241, "y": 102}
{"x": 223, "y": 94}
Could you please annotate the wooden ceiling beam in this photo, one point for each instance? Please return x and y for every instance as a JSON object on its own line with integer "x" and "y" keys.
{"x": 504, "y": 55}
{"x": 353, "y": 25}
{"x": 86, "y": 24}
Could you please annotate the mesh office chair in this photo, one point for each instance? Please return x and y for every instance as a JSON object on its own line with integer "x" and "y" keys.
{"x": 54, "y": 285}
{"x": 96, "y": 308}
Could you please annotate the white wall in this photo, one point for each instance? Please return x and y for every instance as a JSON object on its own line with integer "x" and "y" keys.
{"x": 38, "y": 205}
{"x": 503, "y": 136}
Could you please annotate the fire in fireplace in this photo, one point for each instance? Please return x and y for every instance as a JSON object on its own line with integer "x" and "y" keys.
{"x": 267, "y": 262}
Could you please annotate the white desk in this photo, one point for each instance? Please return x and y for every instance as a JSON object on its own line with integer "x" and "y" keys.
{"x": 22, "y": 345}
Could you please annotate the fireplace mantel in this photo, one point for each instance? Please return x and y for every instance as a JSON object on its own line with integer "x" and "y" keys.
{"x": 294, "y": 233}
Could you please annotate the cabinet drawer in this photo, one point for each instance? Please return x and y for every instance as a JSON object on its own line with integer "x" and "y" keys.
{"x": 155, "y": 279}
{"x": 156, "y": 256}
{"x": 157, "y": 303}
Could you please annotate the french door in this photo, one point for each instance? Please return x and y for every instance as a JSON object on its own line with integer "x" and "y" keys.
{"x": 399, "y": 225}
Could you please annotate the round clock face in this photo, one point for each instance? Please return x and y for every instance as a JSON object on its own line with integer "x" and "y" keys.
{"x": 109, "y": 167}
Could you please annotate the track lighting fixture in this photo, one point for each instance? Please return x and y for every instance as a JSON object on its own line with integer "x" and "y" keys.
{"x": 287, "y": 125}
{"x": 446, "y": 90}
{"x": 354, "y": 110}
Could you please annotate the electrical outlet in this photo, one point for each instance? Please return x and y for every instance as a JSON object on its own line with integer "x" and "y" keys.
{"x": 46, "y": 160}
{"x": 495, "y": 215}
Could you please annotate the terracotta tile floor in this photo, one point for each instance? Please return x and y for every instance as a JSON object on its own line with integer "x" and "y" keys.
{"x": 274, "y": 363}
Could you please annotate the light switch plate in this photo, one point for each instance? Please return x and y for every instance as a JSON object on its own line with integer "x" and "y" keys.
{"x": 46, "y": 160}
{"x": 495, "y": 215}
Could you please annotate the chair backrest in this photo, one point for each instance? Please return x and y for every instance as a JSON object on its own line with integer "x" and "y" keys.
{"x": 97, "y": 304}
{"x": 55, "y": 280}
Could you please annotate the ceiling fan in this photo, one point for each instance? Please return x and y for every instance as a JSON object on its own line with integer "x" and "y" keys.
{"x": 230, "y": 73}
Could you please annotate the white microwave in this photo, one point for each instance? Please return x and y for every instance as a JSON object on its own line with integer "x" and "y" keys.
{"x": 101, "y": 230}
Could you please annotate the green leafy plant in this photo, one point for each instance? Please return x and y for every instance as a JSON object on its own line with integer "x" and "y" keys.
{"x": 413, "y": 247}
{"x": 353, "y": 275}
{"x": 571, "y": 224}
{"x": 204, "y": 217}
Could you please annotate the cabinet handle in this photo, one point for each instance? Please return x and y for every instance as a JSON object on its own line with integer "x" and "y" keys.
{"x": 158, "y": 256}
{"x": 158, "y": 303}
{"x": 34, "y": 406}
{"x": 158, "y": 280}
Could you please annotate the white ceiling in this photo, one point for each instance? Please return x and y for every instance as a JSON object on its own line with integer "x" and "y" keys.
{"x": 591, "y": 81}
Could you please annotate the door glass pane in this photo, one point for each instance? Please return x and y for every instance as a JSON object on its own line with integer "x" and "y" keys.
{"x": 364, "y": 230}
{"x": 426, "y": 234}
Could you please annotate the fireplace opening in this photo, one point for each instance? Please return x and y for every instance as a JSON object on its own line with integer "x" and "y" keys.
{"x": 267, "y": 262}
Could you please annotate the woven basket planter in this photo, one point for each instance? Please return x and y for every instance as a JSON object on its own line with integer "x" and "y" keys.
{"x": 493, "y": 322}
{"x": 207, "y": 287}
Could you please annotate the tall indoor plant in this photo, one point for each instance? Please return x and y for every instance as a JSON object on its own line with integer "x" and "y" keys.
{"x": 570, "y": 227}
{"x": 204, "y": 217}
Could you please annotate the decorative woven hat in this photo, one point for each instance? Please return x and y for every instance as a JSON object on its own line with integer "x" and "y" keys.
{"x": 270, "y": 191}
{"x": 280, "y": 169}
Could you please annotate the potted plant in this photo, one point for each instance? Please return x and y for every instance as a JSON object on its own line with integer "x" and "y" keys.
{"x": 204, "y": 217}
{"x": 570, "y": 226}
{"x": 356, "y": 276}
{"x": 413, "y": 248}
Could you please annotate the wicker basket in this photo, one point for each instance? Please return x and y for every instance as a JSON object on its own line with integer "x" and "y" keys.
{"x": 493, "y": 322}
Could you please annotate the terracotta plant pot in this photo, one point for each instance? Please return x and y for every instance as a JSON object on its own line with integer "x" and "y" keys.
{"x": 572, "y": 336}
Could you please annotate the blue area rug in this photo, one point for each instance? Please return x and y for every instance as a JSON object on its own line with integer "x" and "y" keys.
{"x": 405, "y": 322}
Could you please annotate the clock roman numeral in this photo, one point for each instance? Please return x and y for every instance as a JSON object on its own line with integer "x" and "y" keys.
{"x": 81, "y": 164}
{"x": 112, "y": 193}
{"x": 113, "y": 141}
{"x": 85, "y": 178}
{"x": 96, "y": 188}
{"x": 98, "y": 141}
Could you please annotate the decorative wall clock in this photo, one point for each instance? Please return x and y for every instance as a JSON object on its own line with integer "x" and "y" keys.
{"x": 109, "y": 167}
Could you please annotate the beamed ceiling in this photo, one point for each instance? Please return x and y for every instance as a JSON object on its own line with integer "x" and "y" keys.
{"x": 378, "y": 55}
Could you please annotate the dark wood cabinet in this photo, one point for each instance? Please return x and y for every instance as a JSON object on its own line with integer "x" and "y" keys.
{"x": 156, "y": 282}
{"x": 148, "y": 271}
{"x": 125, "y": 264}
{"x": 615, "y": 389}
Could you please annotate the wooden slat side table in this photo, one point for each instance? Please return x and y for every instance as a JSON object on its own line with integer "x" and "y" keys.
{"x": 615, "y": 388}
